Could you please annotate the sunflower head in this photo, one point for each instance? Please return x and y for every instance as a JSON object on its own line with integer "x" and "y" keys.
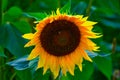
{"x": 60, "y": 42}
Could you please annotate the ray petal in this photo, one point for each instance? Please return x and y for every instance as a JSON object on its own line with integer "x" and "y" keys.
{"x": 80, "y": 66}
{"x": 46, "y": 65}
{"x": 35, "y": 52}
{"x": 84, "y": 19}
{"x": 70, "y": 65}
{"x": 28, "y": 36}
{"x": 63, "y": 65}
{"x": 58, "y": 11}
{"x": 85, "y": 55}
{"x": 42, "y": 59}
{"x": 88, "y": 23}
{"x": 54, "y": 66}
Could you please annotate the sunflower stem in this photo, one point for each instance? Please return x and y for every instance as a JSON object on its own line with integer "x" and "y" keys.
{"x": 1, "y": 13}
{"x": 88, "y": 8}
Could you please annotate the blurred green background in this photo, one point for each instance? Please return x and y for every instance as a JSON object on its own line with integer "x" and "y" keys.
{"x": 17, "y": 17}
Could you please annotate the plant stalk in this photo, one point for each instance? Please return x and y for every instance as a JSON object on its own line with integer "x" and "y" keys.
{"x": 1, "y": 58}
{"x": 1, "y": 13}
{"x": 88, "y": 8}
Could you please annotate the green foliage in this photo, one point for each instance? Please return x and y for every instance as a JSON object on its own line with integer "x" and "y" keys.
{"x": 66, "y": 8}
{"x": 20, "y": 17}
{"x": 87, "y": 68}
{"x": 2, "y": 52}
{"x": 104, "y": 65}
{"x": 24, "y": 74}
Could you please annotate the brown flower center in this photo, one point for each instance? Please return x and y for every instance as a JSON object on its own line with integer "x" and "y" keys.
{"x": 59, "y": 38}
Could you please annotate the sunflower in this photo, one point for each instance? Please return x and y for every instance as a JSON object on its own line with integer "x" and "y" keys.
{"x": 60, "y": 42}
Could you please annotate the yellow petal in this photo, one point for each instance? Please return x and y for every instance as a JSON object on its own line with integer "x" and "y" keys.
{"x": 87, "y": 44}
{"x": 58, "y": 11}
{"x": 32, "y": 42}
{"x": 46, "y": 65}
{"x": 40, "y": 63}
{"x": 84, "y": 19}
{"x": 28, "y": 36}
{"x": 85, "y": 55}
{"x": 54, "y": 66}
{"x": 63, "y": 65}
{"x": 88, "y": 23}
{"x": 34, "y": 53}
{"x": 90, "y": 34}
{"x": 79, "y": 16}
{"x": 70, "y": 65}
{"x": 42, "y": 59}
{"x": 80, "y": 66}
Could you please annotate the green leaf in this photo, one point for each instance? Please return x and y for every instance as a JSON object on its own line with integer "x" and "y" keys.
{"x": 12, "y": 15}
{"x": 66, "y": 8}
{"x": 23, "y": 26}
{"x": 104, "y": 65}
{"x": 110, "y": 23}
{"x": 20, "y": 63}
{"x": 43, "y": 5}
{"x": 2, "y": 52}
{"x": 38, "y": 16}
{"x": 64, "y": 77}
{"x": 11, "y": 39}
{"x": 4, "y": 4}
{"x": 86, "y": 72}
{"x": 80, "y": 8}
{"x": 24, "y": 74}
{"x": 15, "y": 11}
{"x": 38, "y": 75}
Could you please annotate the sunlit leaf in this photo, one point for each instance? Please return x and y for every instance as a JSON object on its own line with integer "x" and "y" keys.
{"x": 94, "y": 54}
{"x": 14, "y": 11}
{"x": 20, "y": 63}
{"x": 13, "y": 14}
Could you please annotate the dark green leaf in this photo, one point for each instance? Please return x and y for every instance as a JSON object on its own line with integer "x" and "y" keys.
{"x": 37, "y": 16}
{"x": 38, "y": 75}
{"x": 2, "y": 52}
{"x": 24, "y": 74}
{"x": 23, "y": 26}
{"x": 86, "y": 72}
{"x": 113, "y": 24}
{"x": 4, "y": 4}
{"x": 11, "y": 39}
{"x": 104, "y": 65}
{"x": 62, "y": 77}
{"x": 80, "y": 8}
{"x": 43, "y": 5}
